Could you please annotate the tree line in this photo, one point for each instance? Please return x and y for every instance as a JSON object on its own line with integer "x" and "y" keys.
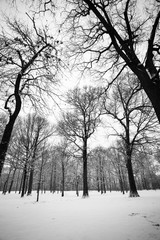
{"x": 34, "y": 162}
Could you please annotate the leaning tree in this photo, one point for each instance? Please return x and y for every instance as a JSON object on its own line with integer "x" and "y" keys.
{"x": 28, "y": 65}
{"x": 110, "y": 35}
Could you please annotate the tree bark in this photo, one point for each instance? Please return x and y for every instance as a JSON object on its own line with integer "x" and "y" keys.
{"x": 85, "y": 179}
{"x": 132, "y": 184}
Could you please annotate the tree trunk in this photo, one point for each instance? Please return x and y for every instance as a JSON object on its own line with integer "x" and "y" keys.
{"x": 5, "y": 142}
{"x": 97, "y": 178}
{"x": 24, "y": 180}
{"x": 40, "y": 178}
{"x": 132, "y": 184}
{"x": 104, "y": 184}
{"x": 63, "y": 178}
{"x": 51, "y": 177}
{"x": 101, "y": 176}
{"x": 38, "y": 187}
{"x": 9, "y": 127}
{"x": 120, "y": 180}
{"x": 55, "y": 178}
{"x": 77, "y": 186}
{"x": 12, "y": 180}
{"x": 21, "y": 182}
{"x": 17, "y": 182}
{"x": 30, "y": 184}
{"x": 85, "y": 180}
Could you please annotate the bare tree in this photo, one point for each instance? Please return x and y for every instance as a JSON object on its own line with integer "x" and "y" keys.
{"x": 80, "y": 124}
{"x": 115, "y": 34}
{"x": 28, "y": 62}
{"x": 131, "y": 109}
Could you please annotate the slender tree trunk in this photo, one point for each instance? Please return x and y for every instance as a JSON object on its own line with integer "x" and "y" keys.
{"x": 51, "y": 176}
{"x": 110, "y": 182}
{"x": 85, "y": 174}
{"x": 12, "y": 180}
{"x": 17, "y": 182}
{"x": 101, "y": 176}
{"x": 63, "y": 178}
{"x": 104, "y": 185}
{"x": 120, "y": 180}
{"x": 38, "y": 187}
{"x": 77, "y": 186}
{"x": 55, "y": 178}
{"x": 40, "y": 178}
{"x": 97, "y": 178}
{"x": 30, "y": 184}
{"x": 24, "y": 180}
{"x": 21, "y": 182}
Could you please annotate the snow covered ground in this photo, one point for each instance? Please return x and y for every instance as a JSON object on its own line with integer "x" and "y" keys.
{"x": 111, "y": 216}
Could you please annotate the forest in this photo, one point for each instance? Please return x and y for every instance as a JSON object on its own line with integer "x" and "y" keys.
{"x": 50, "y": 125}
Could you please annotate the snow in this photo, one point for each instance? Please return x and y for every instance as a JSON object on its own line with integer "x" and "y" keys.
{"x": 111, "y": 216}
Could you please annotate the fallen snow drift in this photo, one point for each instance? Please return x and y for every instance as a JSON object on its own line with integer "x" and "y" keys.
{"x": 112, "y": 216}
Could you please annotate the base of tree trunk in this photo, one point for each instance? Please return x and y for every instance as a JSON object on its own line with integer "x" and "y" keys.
{"x": 133, "y": 194}
{"x": 85, "y": 196}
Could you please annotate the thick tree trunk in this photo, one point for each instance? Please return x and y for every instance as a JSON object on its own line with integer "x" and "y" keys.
{"x": 85, "y": 179}
{"x": 132, "y": 184}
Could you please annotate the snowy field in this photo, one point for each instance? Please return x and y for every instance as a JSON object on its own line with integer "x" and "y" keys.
{"x": 111, "y": 216}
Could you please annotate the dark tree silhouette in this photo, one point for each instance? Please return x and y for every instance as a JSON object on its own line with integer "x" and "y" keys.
{"x": 26, "y": 58}
{"x": 114, "y": 34}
